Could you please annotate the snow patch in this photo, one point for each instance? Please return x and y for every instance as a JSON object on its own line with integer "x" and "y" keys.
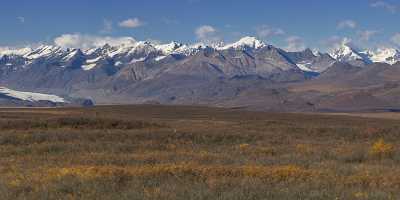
{"x": 137, "y": 60}
{"x": 305, "y": 67}
{"x": 160, "y": 58}
{"x": 70, "y": 55}
{"x": 30, "y": 96}
{"x": 118, "y": 63}
{"x": 93, "y": 60}
{"x": 88, "y": 66}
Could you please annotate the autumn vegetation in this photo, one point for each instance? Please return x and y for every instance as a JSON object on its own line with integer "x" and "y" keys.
{"x": 184, "y": 153}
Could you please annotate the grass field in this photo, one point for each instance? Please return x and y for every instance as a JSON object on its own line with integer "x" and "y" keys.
{"x": 161, "y": 152}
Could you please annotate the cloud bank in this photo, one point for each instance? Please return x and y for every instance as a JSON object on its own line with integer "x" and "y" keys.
{"x": 89, "y": 41}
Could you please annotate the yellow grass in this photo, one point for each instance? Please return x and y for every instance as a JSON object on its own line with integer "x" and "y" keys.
{"x": 161, "y": 152}
{"x": 381, "y": 148}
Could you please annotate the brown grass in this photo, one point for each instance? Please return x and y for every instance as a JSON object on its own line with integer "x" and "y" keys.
{"x": 166, "y": 152}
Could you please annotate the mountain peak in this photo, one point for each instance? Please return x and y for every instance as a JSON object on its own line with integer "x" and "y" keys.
{"x": 316, "y": 52}
{"x": 386, "y": 55}
{"x": 309, "y": 52}
{"x": 346, "y": 53}
{"x": 245, "y": 42}
{"x": 168, "y": 48}
{"x": 44, "y": 51}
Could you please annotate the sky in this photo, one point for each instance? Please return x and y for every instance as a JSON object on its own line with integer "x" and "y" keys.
{"x": 289, "y": 24}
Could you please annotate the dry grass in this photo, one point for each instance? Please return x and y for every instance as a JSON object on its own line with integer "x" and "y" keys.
{"x": 379, "y": 115}
{"x": 161, "y": 152}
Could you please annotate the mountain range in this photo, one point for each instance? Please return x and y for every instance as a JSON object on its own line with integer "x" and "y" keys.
{"x": 247, "y": 73}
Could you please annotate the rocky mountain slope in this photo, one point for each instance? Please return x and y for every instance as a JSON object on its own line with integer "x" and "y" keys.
{"x": 246, "y": 73}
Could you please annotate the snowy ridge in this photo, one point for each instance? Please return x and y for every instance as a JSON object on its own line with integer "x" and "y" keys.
{"x": 246, "y": 42}
{"x": 346, "y": 53}
{"x": 316, "y": 52}
{"x": 142, "y": 51}
{"x": 18, "y": 52}
{"x": 30, "y": 96}
{"x": 169, "y": 48}
{"x": 72, "y": 53}
{"x": 189, "y": 50}
{"x": 44, "y": 51}
{"x": 386, "y": 55}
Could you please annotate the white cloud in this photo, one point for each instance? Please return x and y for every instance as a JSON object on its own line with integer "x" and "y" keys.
{"x": 266, "y": 31}
{"x": 385, "y": 5}
{"x": 89, "y": 41}
{"x": 21, "y": 19}
{"x": 207, "y": 33}
{"x": 396, "y": 39}
{"x": 335, "y": 42}
{"x": 295, "y": 43}
{"x": 347, "y": 24}
{"x": 131, "y": 23}
{"x": 366, "y": 35}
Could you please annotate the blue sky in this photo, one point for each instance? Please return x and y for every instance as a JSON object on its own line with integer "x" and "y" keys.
{"x": 290, "y": 24}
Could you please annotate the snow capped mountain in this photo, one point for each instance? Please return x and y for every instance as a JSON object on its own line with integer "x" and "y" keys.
{"x": 18, "y": 52}
{"x": 119, "y": 54}
{"x": 386, "y": 55}
{"x": 346, "y": 53}
{"x": 30, "y": 96}
{"x": 71, "y": 54}
{"x": 383, "y": 55}
{"x": 316, "y": 52}
{"x": 44, "y": 51}
{"x": 114, "y": 57}
{"x": 349, "y": 54}
{"x": 141, "y": 47}
{"x": 189, "y": 50}
{"x": 311, "y": 61}
{"x": 169, "y": 48}
{"x": 140, "y": 71}
{"x": 245, "y": 42}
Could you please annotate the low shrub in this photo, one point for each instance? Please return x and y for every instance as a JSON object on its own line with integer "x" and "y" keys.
{"x": 382, "y": 149}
